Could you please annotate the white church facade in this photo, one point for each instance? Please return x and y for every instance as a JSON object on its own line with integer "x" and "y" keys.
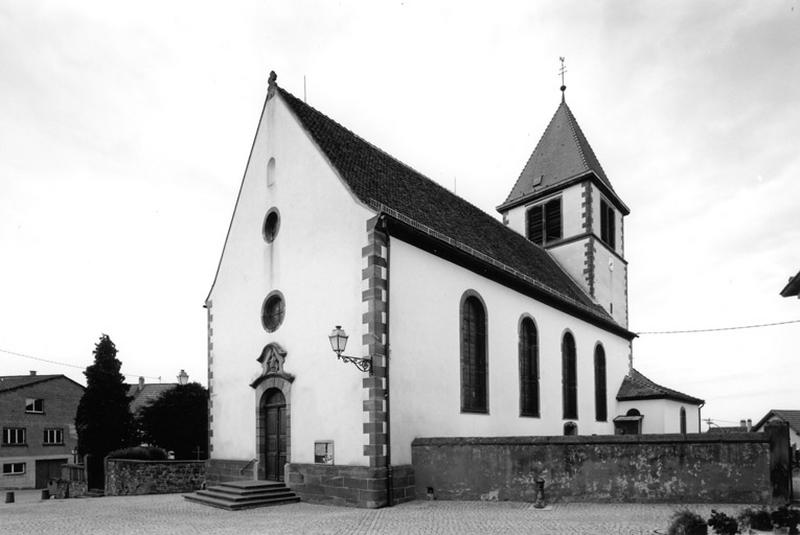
{"x": 462, "y": 325}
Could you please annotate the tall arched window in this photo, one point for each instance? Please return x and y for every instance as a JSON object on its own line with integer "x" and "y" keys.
{"x": 569, "y": 377}
{"x": 683, "y": 421}
{"x": 473, "y": 355}
{"x": 271, "y": 172}
{"x": 600, "y": 409}
{"x": 528, "y": 369}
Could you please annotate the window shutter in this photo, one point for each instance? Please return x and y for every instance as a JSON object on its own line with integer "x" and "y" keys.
{"x": 535, "y": 227}
{"x": 552, "y": 220}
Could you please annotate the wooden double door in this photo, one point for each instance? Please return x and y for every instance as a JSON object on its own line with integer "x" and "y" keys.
{"x": 275, "y": 434}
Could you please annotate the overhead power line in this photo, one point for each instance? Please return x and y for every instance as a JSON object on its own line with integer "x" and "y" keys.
{"x": 721, "y": 328}
{"x": 62, "y": 363}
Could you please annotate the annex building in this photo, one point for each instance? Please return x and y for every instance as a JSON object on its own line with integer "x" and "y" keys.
{"x": 460, "y": 324}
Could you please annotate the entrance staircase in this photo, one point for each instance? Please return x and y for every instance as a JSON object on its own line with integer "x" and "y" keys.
{"x": 235, "y": 495}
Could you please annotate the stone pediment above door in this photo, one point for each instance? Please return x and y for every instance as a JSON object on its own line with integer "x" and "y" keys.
{"x": 271, "y": 359}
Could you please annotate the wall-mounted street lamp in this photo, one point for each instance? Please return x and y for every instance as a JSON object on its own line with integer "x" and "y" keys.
{"x": 338, "y": 339}
{"x": 183, "y": 377}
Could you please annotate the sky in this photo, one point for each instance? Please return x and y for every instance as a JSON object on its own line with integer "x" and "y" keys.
{"x": 125, "y": 129}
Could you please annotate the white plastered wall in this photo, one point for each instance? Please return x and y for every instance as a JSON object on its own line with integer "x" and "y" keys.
{"x": 425, "y": 297}
{"x": 315, "y": 261}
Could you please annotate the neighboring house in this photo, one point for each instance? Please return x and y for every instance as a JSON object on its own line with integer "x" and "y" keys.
{"x": 490, "y": 328}
{"x": 792, "y": 288}
{"x": 145, "y": 393}
{"x": 791, "y": 417}
{"x": 37, "y": 415}
{"x": 667, "y": 410}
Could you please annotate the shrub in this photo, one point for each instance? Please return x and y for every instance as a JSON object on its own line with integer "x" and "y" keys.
{"x": 723, "y": 524}
{"x": 687, "y": 523}
{"x": 756, "y": 519}
{"x": 784, "y": 517}
{"x": 140, "y": 453}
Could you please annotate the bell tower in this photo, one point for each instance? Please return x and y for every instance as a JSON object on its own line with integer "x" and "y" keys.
{"x": 564, "y": 202}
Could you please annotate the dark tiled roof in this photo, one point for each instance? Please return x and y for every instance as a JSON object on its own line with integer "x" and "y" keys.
{"x": 149, "y": 392}
{"x": 563, "y": 152}
{"x": 636, "y": 386}
{"x": 376, "y": 177}
{"x": 791, "y": 417}
{"x": 792, "y": 288}
{"x": 11, "y": 382}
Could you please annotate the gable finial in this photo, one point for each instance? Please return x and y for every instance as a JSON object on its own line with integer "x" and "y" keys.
{"x": 561, "y": 71}
{"x": 272, "y": 84}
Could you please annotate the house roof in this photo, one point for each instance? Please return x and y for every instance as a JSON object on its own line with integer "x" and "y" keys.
{"x": 636, "y": 386}
{"x": 792, "y": 288}
{"x": 148, "y": 393}
{"x": 12, "y": 382}
{"x": 387, "y": 185}
{"x": 791, "y": 417}
{"x": 562, "y": 154}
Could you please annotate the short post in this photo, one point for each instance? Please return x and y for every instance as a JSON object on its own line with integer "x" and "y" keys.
{"x": 9, "y": 497}
{"x": 45, "y": 494}
{"x": 540, "y": 504}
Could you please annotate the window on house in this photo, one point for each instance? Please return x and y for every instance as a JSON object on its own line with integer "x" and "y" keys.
{"x": 323, "y": 452}
{"x": 600, "y": 408}
{"x": 13, "y": 469}
{"x": 34, "y": 405}
{"x": 13, "y": 436}
{"x": 53, "y": 436}
{"x": 273, "y": 311}
{"x": 683, "y": 421}
{"x": 473, "y": 356}
{"x": 607, "y": 224}
{"x": 569, "y": 377}
{"x": 528, "y": 369}
{"x": 544, "y": 222}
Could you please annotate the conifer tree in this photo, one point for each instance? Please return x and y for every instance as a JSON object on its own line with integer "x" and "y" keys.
{"x": 103, "y": 420}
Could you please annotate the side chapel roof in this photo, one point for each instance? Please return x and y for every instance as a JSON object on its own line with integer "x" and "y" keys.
{"x": 562, "y": 154}
{"x": 380, "y": 181}
{"x": 636, "y": 386}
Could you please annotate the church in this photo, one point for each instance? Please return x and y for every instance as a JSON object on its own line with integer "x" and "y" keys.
{"x": 358, "y": 305}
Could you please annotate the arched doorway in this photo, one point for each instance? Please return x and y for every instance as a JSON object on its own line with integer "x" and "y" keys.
{"x": 273, "y": 411}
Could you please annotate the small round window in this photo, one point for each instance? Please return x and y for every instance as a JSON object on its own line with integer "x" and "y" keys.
{"x": 273, "y": 311}
{"x": 272, "y": 223}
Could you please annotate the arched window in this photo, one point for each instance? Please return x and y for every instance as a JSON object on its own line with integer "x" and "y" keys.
{"x": 600, "y": 408}
{"x": 569, "y": 377}
{"x": 570, "y": 428}
{"x": 528, "y": 369}
{"x": 683, "y": 421}
{"x": 473, "y": 355}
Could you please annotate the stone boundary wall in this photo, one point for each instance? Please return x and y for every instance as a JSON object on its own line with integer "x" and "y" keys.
{"x": 355, "y": 486}
{"x": 126, "y": 477}
{"x": 219, "y": 470}
{"x": 731, "y": 468}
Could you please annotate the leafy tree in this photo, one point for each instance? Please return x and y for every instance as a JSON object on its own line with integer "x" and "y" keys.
{"x": 178, "y": 420}
{"x": 103, "y": 420}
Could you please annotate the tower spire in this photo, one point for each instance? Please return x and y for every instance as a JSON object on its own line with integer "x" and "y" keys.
{"x": 562, "y": 71}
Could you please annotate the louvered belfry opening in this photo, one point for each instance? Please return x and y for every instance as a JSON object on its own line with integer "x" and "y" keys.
{"x": 473, "y": 356}
{"x": 544, "y": 222}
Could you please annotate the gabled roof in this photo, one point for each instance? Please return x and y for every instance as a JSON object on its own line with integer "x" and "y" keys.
{"x": 792, "y": 288}
{"x": 389, "y": 186}
{"x": 636, "y": 386}
{"x": 562, "y": 154}
{"x": 12, "y": 382}
{"x": 148, "y": 393}
{"x": 791, "y": 417}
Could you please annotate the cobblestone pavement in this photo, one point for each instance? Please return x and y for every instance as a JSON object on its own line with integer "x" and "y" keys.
{"x": 171, "y": 514}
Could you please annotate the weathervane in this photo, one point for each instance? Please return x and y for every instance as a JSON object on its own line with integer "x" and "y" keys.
{"x": 561, "y": 71}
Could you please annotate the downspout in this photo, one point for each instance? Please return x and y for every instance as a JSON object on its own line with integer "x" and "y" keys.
{"x": 699, "y": 419}
{"x": 389, "y": 477}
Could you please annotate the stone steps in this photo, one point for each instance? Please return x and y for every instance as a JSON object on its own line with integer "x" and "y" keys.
{"x": 235, "y": 495}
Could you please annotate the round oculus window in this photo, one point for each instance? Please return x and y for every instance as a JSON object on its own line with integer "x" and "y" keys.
{"x": 273, "y": 311}
{"x": 272, "y": 223}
